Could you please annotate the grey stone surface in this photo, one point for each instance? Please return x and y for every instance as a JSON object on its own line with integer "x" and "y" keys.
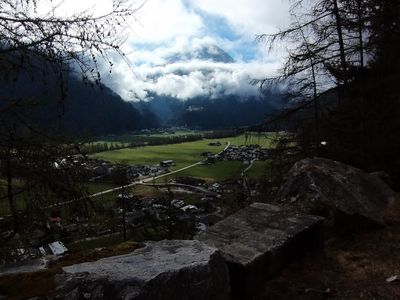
{"x": 161, "y": 270}
{"x": 257, "y": 231}
{"x": 258, "y": 241}
{"x": 341, "y": 193}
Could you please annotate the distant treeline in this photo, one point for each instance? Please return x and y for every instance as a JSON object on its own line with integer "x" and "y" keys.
{"x": 151, "y": 141}
{"x": 154, "y": 141}
{"x": 219, "y": 134}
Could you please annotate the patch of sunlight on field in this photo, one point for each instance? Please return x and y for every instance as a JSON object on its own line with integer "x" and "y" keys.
{"x": 259, "y": 171}
{"x": 183, "y": 154}
{"x": 220, "y": 171}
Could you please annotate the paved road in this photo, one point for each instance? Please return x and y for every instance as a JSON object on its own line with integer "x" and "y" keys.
{"x": 249, "y": 167}
{"x": 145, "y": 180}
{"x": 149, "y": 179}
{"x": 187, "y": 186}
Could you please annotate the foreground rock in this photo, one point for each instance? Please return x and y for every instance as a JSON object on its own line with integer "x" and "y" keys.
{"x": 349, "y": 198}
{"x": 161, "y": 270}
{"x": 258, "y": 240}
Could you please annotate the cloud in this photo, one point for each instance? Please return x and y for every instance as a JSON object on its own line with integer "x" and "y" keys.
{"x": 163, "y": 20}
{"x": 233, "y": 23}
{"x": 166, "y": 36}
{"x": 248, "y": 17}
{"x": 188, "y": 78}
{"x": 164, "y": 29}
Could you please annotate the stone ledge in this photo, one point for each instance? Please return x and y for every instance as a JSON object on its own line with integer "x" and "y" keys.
{"x": 259, "y": 240}
{"x": 167, "y": 269}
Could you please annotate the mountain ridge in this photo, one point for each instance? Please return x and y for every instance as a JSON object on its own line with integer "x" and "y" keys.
{"x": 206, "y": 53}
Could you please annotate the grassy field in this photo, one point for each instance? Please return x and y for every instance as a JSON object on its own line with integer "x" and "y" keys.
{"x": 140, "y": 138}
{"x": 262, "y": 139}
{"x": 185, "y": 154}
{"x": 222, "y": 170}
{"x": 110, "y": 143}
{"x": 93, "y": 188}
{"x": 141, "y": 191}
{"x": 259, "y": 170}
{"x": 176, "y": 133}
{"x": 125, "y": 140}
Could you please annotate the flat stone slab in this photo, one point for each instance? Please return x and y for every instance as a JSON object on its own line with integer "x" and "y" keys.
{"x": 169, "y": 269}
{"x": 261, "y": 238}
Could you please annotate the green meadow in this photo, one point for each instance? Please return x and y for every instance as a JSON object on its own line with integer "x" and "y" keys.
{"x": 142, "y": 138}
{"x": 185, "y": 154}
{"x": 219, "y": 171}
{"x": 259, "y": 170}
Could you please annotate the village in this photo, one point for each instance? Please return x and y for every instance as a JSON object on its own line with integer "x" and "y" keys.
{"x": 169, "y": 216}
{"x": 245, "y": 154}
{"x": 141, "y": 218}
{"x": 100, "y": 170}
{"x": 183, "y": 207}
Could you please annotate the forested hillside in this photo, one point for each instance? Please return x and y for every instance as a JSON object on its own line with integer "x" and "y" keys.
{"x": 205, "y": 113}
{"x": 83, "y": 108}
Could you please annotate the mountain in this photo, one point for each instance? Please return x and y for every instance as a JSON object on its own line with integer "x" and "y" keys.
{"x": 206, "y": 52}
{"x": 205, "y": 113}
{"x": 87, "y": 109}
{"x": 218, "y": 109}
{"x": 91, "y": 110}
{"x": 94, "y": 109}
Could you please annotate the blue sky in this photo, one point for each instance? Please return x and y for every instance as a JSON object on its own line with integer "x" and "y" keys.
{"x": 231, "y": 23}
{"x": 165, "y": 28}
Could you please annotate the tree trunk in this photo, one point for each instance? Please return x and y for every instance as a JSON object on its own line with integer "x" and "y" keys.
{"x": 124, "y": 214}
{"x": 10, "y": 191}
{"x": 340, "y": 38}
{"x": 316, "y": 106}
{"x": 315, "y": 91}
{"x": 360, "y": 32}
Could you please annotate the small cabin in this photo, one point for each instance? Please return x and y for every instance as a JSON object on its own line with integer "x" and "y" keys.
{"x": 167, "y": 163}
{"x": 218, "y": 143}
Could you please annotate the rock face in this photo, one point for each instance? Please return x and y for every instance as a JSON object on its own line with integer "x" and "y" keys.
{"x": 258, "y": 240}
{"x": 162, "y": 270}
{"x": 346, "y": 196}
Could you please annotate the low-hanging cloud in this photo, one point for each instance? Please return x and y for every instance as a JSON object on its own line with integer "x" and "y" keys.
{"x": 163, "y": 49}
{"x": 167, "y": 36}
{"x": 190, "y": 77}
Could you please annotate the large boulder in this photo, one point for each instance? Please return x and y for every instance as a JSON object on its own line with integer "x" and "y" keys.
{"x": 347, "y": 197}
{"x": 259, "y": 240}
{"x": 161, "y": 270}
